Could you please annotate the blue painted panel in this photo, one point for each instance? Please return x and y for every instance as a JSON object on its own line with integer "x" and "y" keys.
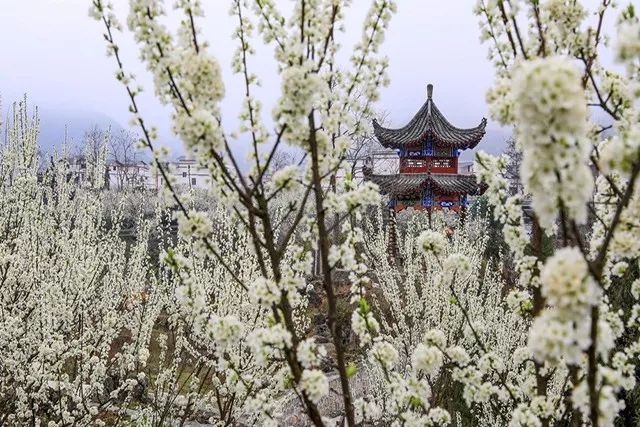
{"x": 429, "y": 147}
{"x": 427, "y": 197}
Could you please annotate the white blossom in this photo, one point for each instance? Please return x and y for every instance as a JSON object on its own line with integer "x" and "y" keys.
{"x": 628, "y": 41}
{"x": 432, "y": 242}
{"x": 315, "y": 384}
{"x": 566, "y": 282}
{"x": 265, "y": 291}
{"x": 551, "y": 119}
{"x": 384, "y": 353}
{"x": 285, "y": 177}
{"x": 427, "y": 358}
{"x": 458, "y": 265}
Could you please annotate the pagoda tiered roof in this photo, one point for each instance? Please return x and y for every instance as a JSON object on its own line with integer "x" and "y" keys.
{"x": 429, "y": 122}
{"x": 409, "y": 185}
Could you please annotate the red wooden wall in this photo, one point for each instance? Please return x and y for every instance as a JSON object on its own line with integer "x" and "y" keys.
{"x": 424, "y": 164}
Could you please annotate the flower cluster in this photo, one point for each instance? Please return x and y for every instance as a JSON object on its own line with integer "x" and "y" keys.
{"x": 315, "y": 384}
{"x": 301, "y": 92}
{"x": 628, "y": 46}
{"x": 285, "y": 178}
{"x": 566, "y": 282}
{"x": 551, "y": 119}
{"x": 432, "y": 242}
{"x": 427, "y": 359}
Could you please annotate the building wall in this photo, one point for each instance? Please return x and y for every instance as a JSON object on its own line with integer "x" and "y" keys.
{"x": 385, "y": 162}
{"x": 189, "y": 174}
{"x": 465, "y": 168}
{"x": 140, "y": 175}
{"x": 129, "y": 176}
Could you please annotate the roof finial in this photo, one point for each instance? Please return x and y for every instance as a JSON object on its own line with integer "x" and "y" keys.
{"x": 429, "y": 90}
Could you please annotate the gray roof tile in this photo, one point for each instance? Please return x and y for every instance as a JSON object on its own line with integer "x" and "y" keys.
{"x": 412, "y": 184}
{"x": 429, "y": 122}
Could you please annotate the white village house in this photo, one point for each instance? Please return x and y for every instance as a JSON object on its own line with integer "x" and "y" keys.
{"x": 142, "y": 175}
{"x": 187, "y": 173}
{"x": 131, "y": 175}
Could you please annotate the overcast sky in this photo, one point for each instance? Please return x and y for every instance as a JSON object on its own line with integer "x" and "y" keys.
{"x": 55, "y": 53}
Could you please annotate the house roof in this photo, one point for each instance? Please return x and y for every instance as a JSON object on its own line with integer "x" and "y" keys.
{"x": 413, "y": 184}
{"x": 429, "y": 122}
{"x": 139, "y": 163}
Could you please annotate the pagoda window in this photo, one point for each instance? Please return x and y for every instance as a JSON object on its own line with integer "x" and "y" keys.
{"x": 441, "y": 163}
{"x": 414, "y": 163}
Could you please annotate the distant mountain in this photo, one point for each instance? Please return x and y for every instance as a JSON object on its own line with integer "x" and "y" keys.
{"x": 76, "y": 122}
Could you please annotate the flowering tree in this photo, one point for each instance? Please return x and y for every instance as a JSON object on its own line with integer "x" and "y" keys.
{"x": 547, "y": 59}
{"x": 202, "y": 367}
{"x": 416, "y": 300}
{"x": 316, "y": 112}
{"x": 563, "y": 360}
{"x": 75, "y": 324}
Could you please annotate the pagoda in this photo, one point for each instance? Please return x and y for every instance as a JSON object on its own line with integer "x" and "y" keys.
{"x": 428, "y": 147}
